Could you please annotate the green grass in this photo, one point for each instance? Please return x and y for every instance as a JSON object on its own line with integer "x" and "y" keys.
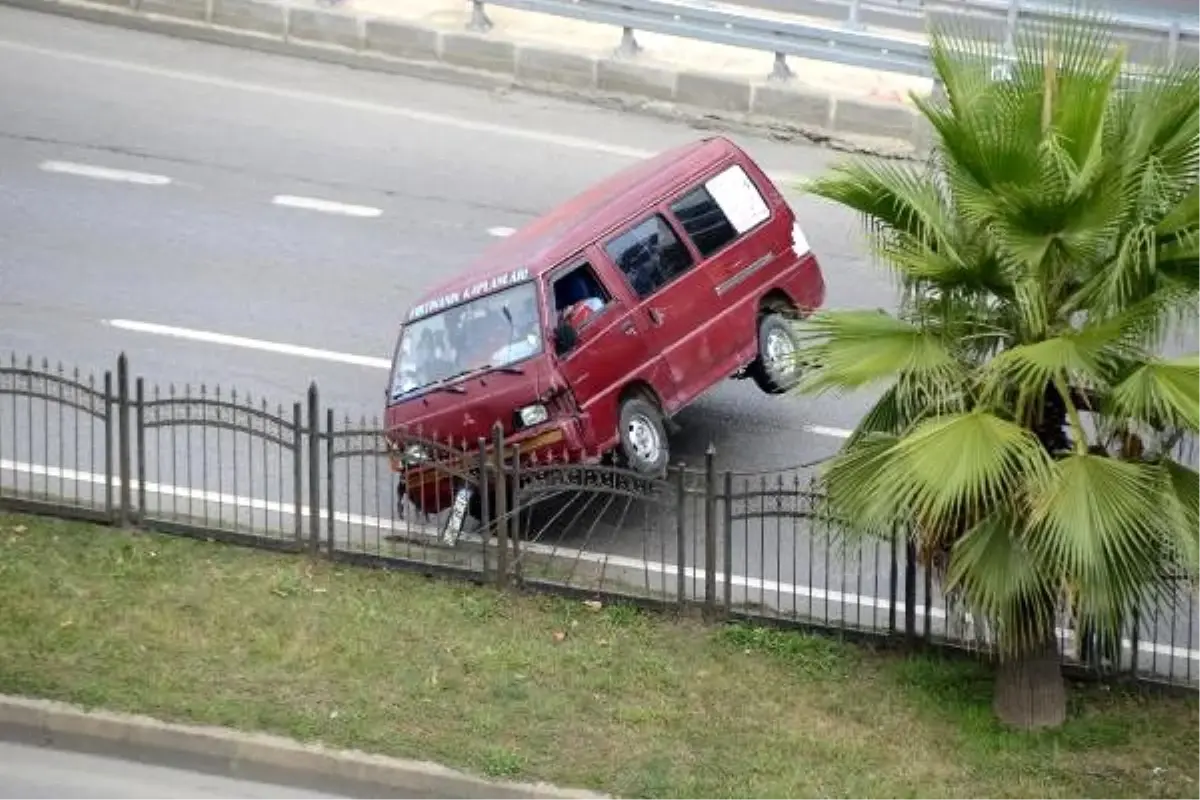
{"x": 536, "y": 687}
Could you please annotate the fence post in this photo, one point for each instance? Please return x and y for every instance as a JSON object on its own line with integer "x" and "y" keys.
{"x": 629, "y": 47}
{"x": 297, "y": 472}
{"x": 681, "y": 535}
{"x": 123, "y": 455}
{"x": 1010, "y": 28}
{"x": 140, "y": 425}
{"x": 109, "y": 403}
{"x": 485, "y": 503}
{"x": 910, "y": 588}
{"x": 479, "y": 21}
{"x": 501, "y": 506}
{"x": 710, "y": 532}
{"x": 512, "y": 493}
{"x": 893, "y": 579}
{"x": 330, "y": 530}
{"x": 1133, "y": 644}
{"x": 780, "y": 71}
{"x": 853, "y": 22}
{"x": 314, "y": 470}
{"x": 928, "y": 615}
{"x": 728, "y": 539}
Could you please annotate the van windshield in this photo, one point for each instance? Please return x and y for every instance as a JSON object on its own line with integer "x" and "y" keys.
{"x": 490, "y": 332}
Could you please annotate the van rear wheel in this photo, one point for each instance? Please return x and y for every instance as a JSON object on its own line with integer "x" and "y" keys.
{"x": 643, "y": 443}
{"x": 776, "y": 369}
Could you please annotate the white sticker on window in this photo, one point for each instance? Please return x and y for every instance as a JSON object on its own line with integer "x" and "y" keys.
{"x": 738, "y": 197}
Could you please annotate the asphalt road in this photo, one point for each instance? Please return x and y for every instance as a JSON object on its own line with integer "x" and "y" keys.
{"x": 140, "y": 184}
{"x": 39, "y": 772}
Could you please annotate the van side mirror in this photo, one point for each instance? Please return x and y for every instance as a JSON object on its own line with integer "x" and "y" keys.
{"x": 565, "y": 338}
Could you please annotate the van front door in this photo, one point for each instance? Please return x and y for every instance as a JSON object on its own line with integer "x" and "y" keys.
{"x": 611, "y": 347}
{"x": 674, "y": 302}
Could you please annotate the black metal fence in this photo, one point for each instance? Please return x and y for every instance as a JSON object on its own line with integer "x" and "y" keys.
{"x": 219, "y": 464}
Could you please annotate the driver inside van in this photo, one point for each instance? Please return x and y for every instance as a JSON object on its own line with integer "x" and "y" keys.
{"x": 577, "y": 298}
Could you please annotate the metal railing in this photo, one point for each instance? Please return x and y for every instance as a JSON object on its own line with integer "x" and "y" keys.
{"x": 850, "y": 43}
{"x": 216, "y": 464}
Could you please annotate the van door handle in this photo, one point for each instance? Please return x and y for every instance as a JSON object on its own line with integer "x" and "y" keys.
{"x": 629, "y": 329}
{"x": 656, "y": 316}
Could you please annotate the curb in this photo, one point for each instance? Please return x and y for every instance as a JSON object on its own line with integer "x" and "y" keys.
{"x": 490, "y": 62}
{"x": 248, "y": 756}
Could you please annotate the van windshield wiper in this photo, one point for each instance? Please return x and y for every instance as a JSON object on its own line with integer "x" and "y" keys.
{"x": 444, "y": 384}
{"x": 507, "y": 370}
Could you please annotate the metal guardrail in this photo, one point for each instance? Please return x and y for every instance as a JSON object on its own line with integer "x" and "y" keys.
{"x": 850, "y": 42}
{"x": 740, "y": 29}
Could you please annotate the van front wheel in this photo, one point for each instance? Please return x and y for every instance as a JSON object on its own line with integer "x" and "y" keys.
{"x": 776, "y": 370}
{"x": 644, "y": 446}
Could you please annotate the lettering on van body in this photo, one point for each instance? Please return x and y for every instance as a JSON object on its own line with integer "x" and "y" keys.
{"x": 471, "y": 292}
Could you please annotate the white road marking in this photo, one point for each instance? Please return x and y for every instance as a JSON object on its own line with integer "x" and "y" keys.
{"x": 252, "y": 344}
{"x": 501, "y": 231}
{"x": 326, "y": 206}
{"x": 786, "y": 180}
{"x": 104, "y": 173}
{"x": 212, "y": 337}
{"x": 695, "y": 574}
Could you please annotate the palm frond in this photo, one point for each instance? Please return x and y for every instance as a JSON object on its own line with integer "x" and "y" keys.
{"x": 854, "y": 349}
{"x": 1100, "y": 521}
{"x": 1164, "y": 392}
{"x": 1001, "y": 580}
{"x": 849, "y": 480}
{"x": 954, "y": 469}
{"x": 1182, "y": 494}
{"x": 893, "y": 200}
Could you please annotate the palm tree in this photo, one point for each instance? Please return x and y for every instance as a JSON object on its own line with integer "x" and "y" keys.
{"x": 1026, "y": 433}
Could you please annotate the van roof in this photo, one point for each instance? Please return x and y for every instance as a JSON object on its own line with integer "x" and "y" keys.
{"x": 544, "y": 243}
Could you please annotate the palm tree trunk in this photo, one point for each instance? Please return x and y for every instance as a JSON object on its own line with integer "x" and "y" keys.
{"x": 1050, "y": 427}
{"x": 1030, "y": 691}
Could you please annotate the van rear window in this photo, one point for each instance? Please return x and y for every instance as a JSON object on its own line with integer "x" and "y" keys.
{"x": 739, "y": 198}
{"x": 720, "y": 210}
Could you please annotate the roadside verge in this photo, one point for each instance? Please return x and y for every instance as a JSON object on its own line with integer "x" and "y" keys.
{"x": 490, "y": 61}
{"x": 247, "y": 756}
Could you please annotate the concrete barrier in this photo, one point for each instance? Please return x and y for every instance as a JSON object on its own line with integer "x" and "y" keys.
{"x": 491, "y": 61}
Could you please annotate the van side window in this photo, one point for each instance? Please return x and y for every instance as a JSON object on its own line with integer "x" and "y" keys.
{"x": 650, "y": 255}
{"x": 704, "y": 221}
{"x": 580, "y": 295}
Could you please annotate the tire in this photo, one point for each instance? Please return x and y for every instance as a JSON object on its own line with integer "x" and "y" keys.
{"x": 775, "y": 336}
{"x": 643, "y": 437}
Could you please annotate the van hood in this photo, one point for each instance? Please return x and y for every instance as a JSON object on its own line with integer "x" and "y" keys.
{"x": 461, "y": 412}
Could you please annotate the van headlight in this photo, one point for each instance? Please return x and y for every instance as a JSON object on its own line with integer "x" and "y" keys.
{"x": 532, "y": 415}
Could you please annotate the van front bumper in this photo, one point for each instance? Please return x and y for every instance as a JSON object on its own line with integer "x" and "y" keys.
{"x": 431, "y": 483}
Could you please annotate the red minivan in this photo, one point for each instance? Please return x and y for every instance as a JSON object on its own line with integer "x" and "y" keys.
{"x": 585, "y": 331}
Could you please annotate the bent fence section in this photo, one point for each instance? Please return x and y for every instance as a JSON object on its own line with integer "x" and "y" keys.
{"x": 218, "y": 464}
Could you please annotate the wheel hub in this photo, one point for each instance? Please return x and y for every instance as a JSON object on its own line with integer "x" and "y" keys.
{"x": 781, "y": 353}
{"x": 644, "y": 439}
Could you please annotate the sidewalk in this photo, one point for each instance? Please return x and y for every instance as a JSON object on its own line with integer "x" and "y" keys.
{"x": 592, "y": 39}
